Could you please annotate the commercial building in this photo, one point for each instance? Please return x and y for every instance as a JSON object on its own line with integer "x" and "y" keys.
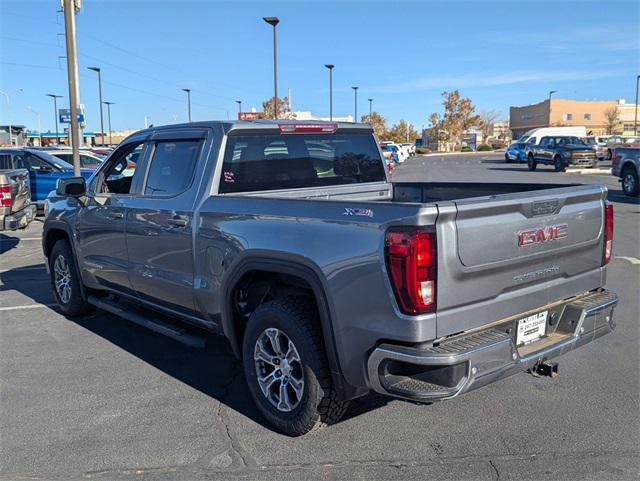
{"x": 565, "y": 112}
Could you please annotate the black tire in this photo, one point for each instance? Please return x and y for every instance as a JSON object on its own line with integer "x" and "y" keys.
{"x": 630, "y": 181}
{"x": 558, "y": 164}
{"x": 71, "y": 302}
{"x": 318, "y": 406}
{"x": 531, "y": 163}
{"x": 507, "y": 160}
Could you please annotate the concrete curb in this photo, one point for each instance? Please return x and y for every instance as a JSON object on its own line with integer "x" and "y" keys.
{"x": 595, "y": 171}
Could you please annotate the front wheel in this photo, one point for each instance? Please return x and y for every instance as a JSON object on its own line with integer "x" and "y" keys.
{"x": 66, "y": 282}
{"x": 559, "y": 164}
{"x": 531, "y": 163}
{"x": 286, "y": 368}
{"x": 630, "y": 181}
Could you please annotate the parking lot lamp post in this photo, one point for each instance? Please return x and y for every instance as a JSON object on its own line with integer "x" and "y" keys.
{"x": 370, "y": 111}
{"x": 355, "y": 100}
{"x": 551, "y": 92}
{"x": 109, "y": 104}
{"x": 273, "y": 21}
{"x": 55, "y": 112}
{"x": 97, "y": 70}
{"x": 6, "y": 96}
{"x": 37, "y": 114}
{"x": 188, "y": 102}
{"x": 635, "y": 119}
{"x": 330, "y": 67}
{"x": 239, "y": 102}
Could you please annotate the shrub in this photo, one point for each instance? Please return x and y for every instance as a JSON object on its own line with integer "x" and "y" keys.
{"x": 484, "y": 148}
{"x": 422, "y": 150}
{"x": 466, "y": 149}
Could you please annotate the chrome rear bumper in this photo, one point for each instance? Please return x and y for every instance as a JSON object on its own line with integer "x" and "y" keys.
{"x": 459, "y": 364}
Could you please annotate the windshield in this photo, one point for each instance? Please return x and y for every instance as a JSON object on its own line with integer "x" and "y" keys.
{"x": 59, "y": 163}
{"x": 271, "y": 162}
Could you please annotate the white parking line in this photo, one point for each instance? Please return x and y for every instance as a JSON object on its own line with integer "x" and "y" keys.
{"x": 633, "y": 260}
{"x": 27, "y": 306}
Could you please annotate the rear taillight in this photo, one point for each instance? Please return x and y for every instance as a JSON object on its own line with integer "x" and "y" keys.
{"x": 390, "y": 168}
{"x": 608, "y": 234}
{"x": 412, "y": 264}
{"x": 5, "y": 195}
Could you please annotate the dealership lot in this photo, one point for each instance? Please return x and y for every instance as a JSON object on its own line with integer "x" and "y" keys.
{"x": 102, "y": 398}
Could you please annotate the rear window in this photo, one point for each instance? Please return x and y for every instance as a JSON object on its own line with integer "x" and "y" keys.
{"x": 270, "y": 162}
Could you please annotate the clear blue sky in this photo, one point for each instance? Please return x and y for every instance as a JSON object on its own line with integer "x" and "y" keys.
{"x": 403, "y": 54}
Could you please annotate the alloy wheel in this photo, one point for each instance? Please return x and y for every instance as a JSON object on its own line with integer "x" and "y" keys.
{"x": 629, "y": 182}
{"x": 62, "y": 278}
{"x": 279, "y": 369}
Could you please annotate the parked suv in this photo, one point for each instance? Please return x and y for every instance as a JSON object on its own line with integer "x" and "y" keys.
{"x": 561, "y": 152}
{"x": 329, "y": 281}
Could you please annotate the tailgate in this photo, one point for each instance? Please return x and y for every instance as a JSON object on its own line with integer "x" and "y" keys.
{"x": 503, "y": 255}
{"x": 20, "y": 188}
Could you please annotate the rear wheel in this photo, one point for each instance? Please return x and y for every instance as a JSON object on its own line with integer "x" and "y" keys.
{"x": 558, "y": 164}
{"x": 66, "y": 282}
{"x": 531, "y": 163}
{"x": 286, "y": 367}
{"x": 506, "y": 158}
{"x": 630, "y": 181}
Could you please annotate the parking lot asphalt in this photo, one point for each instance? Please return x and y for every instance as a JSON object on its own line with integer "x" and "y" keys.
{"x": 100, "y": 398}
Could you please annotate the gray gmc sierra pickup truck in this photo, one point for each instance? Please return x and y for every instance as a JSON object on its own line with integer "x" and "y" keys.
{"x": 327, "y": 279}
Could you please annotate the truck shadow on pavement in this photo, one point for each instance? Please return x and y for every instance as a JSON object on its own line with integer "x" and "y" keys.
{"x": 213, "y": 370}
{"x": 8, "y": 242}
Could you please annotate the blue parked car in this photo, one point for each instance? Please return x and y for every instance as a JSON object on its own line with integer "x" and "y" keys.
{"x": 44, "y": 170}
{"x": 515, "y": 153}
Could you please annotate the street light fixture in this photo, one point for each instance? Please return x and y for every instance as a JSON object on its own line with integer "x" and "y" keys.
{"x": 551, "y": 92}
{"x": 330, "y": 66}
{"x": 273, "y": 21}
{"x": 239, "y": 102}
{"x": 188, "y": 102}
{"x": 55, "y": 112}
{"x": 370, "y": 111}
{"x": 98, "y": 71}
{"x": 109, "y": 104}
{"x": 355, "y": 100}
{"x": 8, "y": 116}
{"x": 635, "y": 119}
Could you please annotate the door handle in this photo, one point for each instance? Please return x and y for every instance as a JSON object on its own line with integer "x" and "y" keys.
{"x": 116, "y": 215}
{"x": 177, "y": 221}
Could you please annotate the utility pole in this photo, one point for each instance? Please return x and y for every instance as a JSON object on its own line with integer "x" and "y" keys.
{"x": 69, "y": 7}
{"x": 551, "y": 92}
{"x": 355, "y": 100}
{"x": 188, "y": 102}
{"x": 109, "y": 104}
{"x": 55, "y": 112}
{"x": 8, "y": 116}
{"x": 635, "y": 120}
{"x": 273, "y": 21}
{"x": 370, "y": 111}
{"x": 330, "y": 66}
{"x": 97, "y": 69}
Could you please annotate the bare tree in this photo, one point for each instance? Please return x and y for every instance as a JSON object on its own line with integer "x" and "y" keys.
{"x": 612, "y": 120}
{"x": 487, "y": 119}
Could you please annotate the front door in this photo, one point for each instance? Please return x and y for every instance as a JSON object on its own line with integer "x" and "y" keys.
{"x": 101, "y": 222}
{"x": 160, "y": 220}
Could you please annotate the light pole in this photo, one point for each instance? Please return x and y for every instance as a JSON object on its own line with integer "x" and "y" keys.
{"x": 188, "y": 102}
{"x": 355, "y": 102}
{"x": 109, "y": 104}
{"x": 635, "y": 119}
{"x": 8, "y": 116}
{"x": 370, "y": 111}
{"x": 551, "y": 92}
{"x": 55, "y": 112}
{"x": 239, "y": 102}
{"x": 273, "y": 21}
{"x": 330, "y": 66}
{"x": 97, "y": 70}
{"x": 37, "y": 114}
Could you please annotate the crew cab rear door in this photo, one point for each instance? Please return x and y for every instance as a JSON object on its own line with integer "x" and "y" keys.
{"x": 159, "y": 224}
{"x": 505, "y": 254}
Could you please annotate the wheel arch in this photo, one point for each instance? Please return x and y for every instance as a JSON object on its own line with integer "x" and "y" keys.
{"x": 55, "y": 231}
{"x": 289, "y": 265}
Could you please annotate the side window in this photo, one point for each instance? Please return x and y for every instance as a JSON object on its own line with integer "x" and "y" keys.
{"x": 172, "y": 167}
{"x": 66, "y": 157}
{"x": 117, "y": 175}
{"x": 5, "y": 161}
{"x": 544, "y": 142}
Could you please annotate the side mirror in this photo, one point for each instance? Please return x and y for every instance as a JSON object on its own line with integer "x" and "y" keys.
{"x": 71, "y": 187}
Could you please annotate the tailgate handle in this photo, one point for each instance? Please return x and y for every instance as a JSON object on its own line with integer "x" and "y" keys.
{"x": 177, "y": 221}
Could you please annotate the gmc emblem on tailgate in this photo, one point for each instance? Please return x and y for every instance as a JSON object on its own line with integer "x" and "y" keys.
{"x": 543, "y": 234}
